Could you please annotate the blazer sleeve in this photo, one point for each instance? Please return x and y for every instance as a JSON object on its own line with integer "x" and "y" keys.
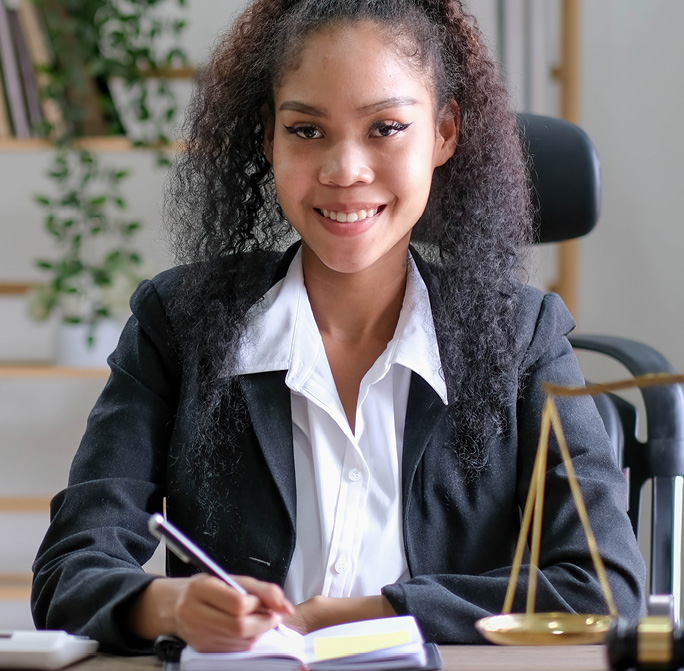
{"x": 89, "y": 566}
{"x": 447, "y": 605}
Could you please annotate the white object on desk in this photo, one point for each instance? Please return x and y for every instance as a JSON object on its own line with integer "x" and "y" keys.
{"x": 42, "y": 649}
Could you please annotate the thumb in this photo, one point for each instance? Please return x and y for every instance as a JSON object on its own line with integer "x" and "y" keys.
{"x": 270, "y": 595}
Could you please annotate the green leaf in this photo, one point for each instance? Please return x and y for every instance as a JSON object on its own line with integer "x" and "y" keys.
{"x": 51, "y": 224}
{"x": 44, "y": 265}
{"x": 70, "y": 199}
{"x": 98, "y": 201}
{"x": 42, "y": 200}
{"x": 173, "y": 54}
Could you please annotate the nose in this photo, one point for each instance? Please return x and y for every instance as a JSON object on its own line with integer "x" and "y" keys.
{"x": 345, "y": 164}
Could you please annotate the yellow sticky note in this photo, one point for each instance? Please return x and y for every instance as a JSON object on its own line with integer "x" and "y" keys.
{"x": 329, "y": 647}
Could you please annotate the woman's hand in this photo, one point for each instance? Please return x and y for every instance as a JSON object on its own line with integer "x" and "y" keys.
{"x": 321, "y": 611}
{"x": 208, "y": 614}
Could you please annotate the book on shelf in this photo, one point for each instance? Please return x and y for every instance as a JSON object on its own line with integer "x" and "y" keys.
{"x": 27, "y": 70}
{"x": 36, "y": 43}
{"x": 372, "y": 645}
{"x": 5, "y": 125}
{"x": 12, "y": 77}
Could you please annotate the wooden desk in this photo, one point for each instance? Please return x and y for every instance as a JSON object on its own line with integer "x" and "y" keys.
{"x": 455, "y": 658}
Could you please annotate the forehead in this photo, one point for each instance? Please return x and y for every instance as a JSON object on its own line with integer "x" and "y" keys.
{"x": 357, "y": 62}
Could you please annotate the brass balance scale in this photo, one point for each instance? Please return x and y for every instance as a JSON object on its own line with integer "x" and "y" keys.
{"x": 530, "y": 628}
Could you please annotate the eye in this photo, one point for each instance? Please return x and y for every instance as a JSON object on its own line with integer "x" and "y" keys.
{"x": 304, "y": 131}
{"x": 387, "y": 129}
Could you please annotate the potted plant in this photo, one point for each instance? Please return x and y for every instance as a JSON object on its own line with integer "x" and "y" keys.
{"x": 96, "y": 265}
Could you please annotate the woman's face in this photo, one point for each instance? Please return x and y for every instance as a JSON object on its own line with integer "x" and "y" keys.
{"x": 353, "y": 144}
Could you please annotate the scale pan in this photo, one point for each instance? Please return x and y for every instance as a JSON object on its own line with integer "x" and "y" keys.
{"x": 544, "y": 628}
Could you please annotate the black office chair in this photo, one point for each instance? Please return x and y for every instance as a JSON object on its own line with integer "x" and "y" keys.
{"x": 566, "y": 183}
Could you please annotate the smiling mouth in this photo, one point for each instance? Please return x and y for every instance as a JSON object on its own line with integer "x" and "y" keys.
{"x": 350, "y": 217}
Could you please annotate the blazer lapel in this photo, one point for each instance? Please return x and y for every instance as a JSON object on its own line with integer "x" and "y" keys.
{"x": 424, "y": 409}
{"x": 268, "y": 402}
{"x": 424, "y": 412}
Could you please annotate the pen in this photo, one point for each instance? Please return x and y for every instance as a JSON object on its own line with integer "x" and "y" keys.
{"x": 188, "y": 552}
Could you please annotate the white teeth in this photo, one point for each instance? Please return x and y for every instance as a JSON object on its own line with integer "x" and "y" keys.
{"x": 349, "y": 217}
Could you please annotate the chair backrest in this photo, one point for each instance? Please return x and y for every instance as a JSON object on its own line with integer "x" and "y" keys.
{"x": 565, "y": 176}
{"x": 566, "y": 182}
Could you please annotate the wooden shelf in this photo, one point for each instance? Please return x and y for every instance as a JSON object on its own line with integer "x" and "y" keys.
{"x": 176, "y": 72}
{"x": 47, "y": 371}
{"x": 24, "y": 504}
{"x": 16, "y": 288}
{"x": 15, "y": 586}
{"x": 112, "y": 143}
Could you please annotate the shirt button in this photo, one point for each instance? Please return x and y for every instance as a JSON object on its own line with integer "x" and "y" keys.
{"x": 341, "y": 565}
{"x": 354, "y": 475}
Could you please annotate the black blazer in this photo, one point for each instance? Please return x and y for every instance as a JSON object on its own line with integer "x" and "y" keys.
{"x": 459, "y": 532}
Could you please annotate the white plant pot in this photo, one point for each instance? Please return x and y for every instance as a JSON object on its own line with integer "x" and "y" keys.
{"x": 73, "y": 348}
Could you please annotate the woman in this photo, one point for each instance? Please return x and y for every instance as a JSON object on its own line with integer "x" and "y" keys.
{"x": 353, "y": 420}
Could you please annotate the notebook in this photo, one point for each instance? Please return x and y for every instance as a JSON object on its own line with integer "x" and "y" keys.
{"x": 371, "y": 645}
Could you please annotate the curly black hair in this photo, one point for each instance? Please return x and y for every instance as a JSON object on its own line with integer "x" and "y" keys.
{"x": 221, "y": 201}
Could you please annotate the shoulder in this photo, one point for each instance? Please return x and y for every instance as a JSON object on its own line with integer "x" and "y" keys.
{"x": 542, "y": 319}
{"x": 538, "y": 316}
{"x": 164, "y": 288}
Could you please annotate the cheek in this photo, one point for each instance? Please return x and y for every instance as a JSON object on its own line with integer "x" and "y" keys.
{"x": 413, "y": 172}
{"x": 292, "y": 171}
{"x": 288, "y": 178}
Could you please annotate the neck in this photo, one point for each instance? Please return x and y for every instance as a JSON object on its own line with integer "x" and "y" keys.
{"x": 353, "y": 307}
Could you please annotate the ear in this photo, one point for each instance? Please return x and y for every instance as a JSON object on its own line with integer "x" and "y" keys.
{"x": 269, "y": 129}
{"x": 448, "y": 126}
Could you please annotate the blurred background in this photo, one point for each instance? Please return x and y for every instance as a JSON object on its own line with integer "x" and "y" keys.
{"x": 619, "y": 77}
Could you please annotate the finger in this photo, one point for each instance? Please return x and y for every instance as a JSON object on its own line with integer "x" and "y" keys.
{"x": 225, "y": 633}
{"x": 221, "y": 597}
{"x": 270, "y": 594}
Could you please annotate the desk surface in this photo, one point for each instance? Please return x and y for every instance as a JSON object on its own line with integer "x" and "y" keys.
{"x": 455, "y": 658}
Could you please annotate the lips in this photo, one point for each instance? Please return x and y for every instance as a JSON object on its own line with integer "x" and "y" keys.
{"x": 350, "y": 223}
{"x": 350, "y": 217}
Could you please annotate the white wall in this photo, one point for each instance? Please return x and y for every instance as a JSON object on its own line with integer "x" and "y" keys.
{"x": 632, "y": 273}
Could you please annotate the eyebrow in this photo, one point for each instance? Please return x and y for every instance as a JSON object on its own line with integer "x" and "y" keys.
{"x": 398, "y": 101}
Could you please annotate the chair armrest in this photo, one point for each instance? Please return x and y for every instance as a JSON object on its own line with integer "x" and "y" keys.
{"x": 664, "y": 403}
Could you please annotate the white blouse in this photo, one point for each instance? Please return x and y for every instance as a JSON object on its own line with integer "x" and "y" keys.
{"x": 349, "y": 539}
